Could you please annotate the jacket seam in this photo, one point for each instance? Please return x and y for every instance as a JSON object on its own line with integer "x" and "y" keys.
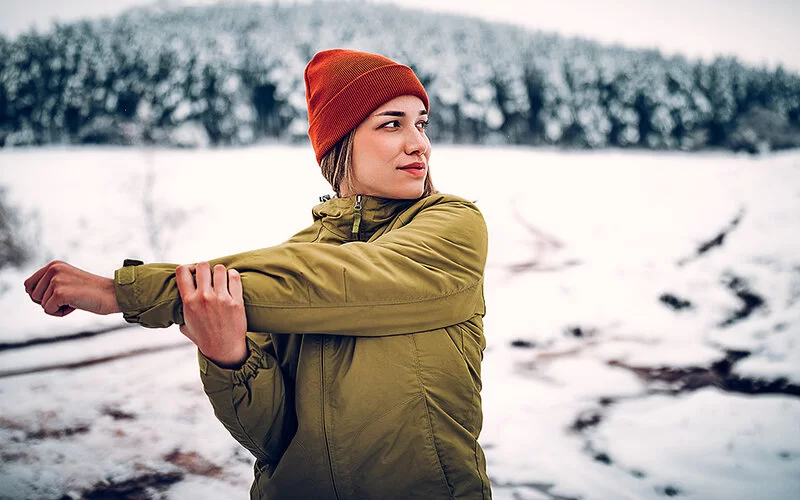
{"x": 364, "y": 304}
{"x": 428, "y": 416}
{"x": 475, "y": 395}
{"x": 344, "y": 284}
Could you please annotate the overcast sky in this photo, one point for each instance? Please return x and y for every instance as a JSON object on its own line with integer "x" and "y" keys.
{"x": 757, "y": 31}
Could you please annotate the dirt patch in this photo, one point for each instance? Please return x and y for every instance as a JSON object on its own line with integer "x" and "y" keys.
{"x": 675, "y": 303}
{"x": 6, "y": 423}
{"x": 139, "y": 488}
{"x": 193, "y": 463}
{"x": 668, "y": 491}
{"x": 58, "y": 433}
{"x": 672, "y": 380}
{"x": 751, "y": 301}
{"x": 91, "y": 362}
{"x": 717, "y": 241}
{"x": 580, "y": 332}
{"x": 117, "y": 414}
{"x": 523, "y": 344}
{"x": 586, "y": 420}
{"x": 53, "y": 339}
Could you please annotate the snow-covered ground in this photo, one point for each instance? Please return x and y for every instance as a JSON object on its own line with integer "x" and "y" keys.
{"x": 643, "y": 322}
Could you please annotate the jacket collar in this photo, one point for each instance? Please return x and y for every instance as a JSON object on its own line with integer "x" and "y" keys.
{"x": 339, "y": 214}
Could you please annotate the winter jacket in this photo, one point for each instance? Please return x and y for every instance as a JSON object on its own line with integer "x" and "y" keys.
{"x": 363, "y": 378}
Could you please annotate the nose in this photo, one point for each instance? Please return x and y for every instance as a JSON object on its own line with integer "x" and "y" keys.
{"x": 416, "y": 142}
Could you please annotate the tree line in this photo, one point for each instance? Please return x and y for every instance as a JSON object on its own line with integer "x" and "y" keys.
{"x": 231, "y": 75}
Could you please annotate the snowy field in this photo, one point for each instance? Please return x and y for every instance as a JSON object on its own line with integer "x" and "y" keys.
{"x": 643, "y": 320}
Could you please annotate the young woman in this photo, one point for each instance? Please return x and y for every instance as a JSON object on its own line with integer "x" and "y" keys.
{"x": 347, "y": 360}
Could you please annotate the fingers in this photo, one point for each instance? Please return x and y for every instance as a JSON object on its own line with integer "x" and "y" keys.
{"x": 33, "y": 280}
{"x": 221, "y": 280}
{"x": 235, "y": 285}
{"x": 203, "y": 277}
{"x": 49, "y": 302}
{"x": 43, "y": 283}
{"x": 54, "y": 302}
{"x": 185, "y": 281}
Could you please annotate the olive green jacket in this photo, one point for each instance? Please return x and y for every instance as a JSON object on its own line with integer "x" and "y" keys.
{"x": 365, "y": 380}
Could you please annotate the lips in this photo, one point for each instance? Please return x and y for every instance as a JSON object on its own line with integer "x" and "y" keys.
{"x": 416, "y": 168}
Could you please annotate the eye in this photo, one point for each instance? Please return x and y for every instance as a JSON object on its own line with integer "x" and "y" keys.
{"x": 423, "y": 124}
{"x": 391, "y": 124}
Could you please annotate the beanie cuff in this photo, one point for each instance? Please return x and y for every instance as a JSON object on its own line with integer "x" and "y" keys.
{"x": 365, "y": 94}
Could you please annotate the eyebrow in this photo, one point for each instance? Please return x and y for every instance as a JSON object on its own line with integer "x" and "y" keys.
{"x": 398, "y": 113}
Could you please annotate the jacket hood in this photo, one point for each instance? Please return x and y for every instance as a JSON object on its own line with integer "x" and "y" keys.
{"x": 338, "y": 214}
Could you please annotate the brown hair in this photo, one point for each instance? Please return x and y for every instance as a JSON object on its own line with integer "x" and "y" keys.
{"x": 337, "y": 166}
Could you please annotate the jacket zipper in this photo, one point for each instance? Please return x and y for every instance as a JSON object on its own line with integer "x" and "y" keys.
{"x": 357, "y": 218}
{"x": 322, "y": 343}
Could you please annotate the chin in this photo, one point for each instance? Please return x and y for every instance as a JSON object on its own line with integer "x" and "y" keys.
{"x": 409, "y": 194}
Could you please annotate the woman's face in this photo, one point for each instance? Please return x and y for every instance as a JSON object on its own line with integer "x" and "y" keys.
{"x": 391, "y": 151}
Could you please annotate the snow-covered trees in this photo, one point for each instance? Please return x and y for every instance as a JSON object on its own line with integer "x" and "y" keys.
{"x": 233, "y": 75}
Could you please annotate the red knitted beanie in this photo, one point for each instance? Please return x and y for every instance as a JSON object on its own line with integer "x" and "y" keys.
{"x": 344, "y": 86}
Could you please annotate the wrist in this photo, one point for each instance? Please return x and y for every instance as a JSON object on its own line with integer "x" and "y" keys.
{"x": 112, "y": 303}
{"x": 230, "y": 360}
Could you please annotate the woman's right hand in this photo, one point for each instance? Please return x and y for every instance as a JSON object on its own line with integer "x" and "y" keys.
{"x": 213, "y": 312}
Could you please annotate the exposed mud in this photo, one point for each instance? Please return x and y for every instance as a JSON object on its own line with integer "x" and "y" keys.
{"x": 90, "y": 362}
{"x": 580, "y": 332}
{"x": 57, "y": 433}
{"x": 673, "y": 381}
{"x": 586, "y": 420}
{"x": 751, "y": 301}
{"x": 117, "y": 414}
{"x": 717, "y": 241}
{"x": 193, "y": 463}
{"x": 143, "y": 487}
{"x": 675, "y": 303}
{"x": 26, "y": 433}
{"x": 524, "y": 344}
{"x": 670, "y": 380}
{"x": 53, "y": 339}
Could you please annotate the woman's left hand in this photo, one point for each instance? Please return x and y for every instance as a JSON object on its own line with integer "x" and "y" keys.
{"x": 213, "y": 312}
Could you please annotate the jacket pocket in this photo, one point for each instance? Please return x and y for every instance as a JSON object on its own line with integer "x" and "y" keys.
{"x": 398, "y": 456}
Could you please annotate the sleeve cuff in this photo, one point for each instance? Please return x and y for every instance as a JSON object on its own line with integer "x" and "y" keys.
{"x": 213, "y": 374}
{"x": 125, "y": 289}
{"x": 147, "y": 294}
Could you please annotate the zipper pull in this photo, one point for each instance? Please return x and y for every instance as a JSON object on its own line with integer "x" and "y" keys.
{"x": 357, "y": 217}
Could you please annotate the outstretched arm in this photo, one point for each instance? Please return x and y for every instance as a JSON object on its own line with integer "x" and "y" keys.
{"x": 424, "y": 275}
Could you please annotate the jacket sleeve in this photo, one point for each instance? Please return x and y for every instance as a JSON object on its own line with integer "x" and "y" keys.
{"x": 427, "y": 274}
{"x": 252, "y": 402}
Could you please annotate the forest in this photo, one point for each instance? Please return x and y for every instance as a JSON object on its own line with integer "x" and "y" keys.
{"x": 226, "y": 75}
